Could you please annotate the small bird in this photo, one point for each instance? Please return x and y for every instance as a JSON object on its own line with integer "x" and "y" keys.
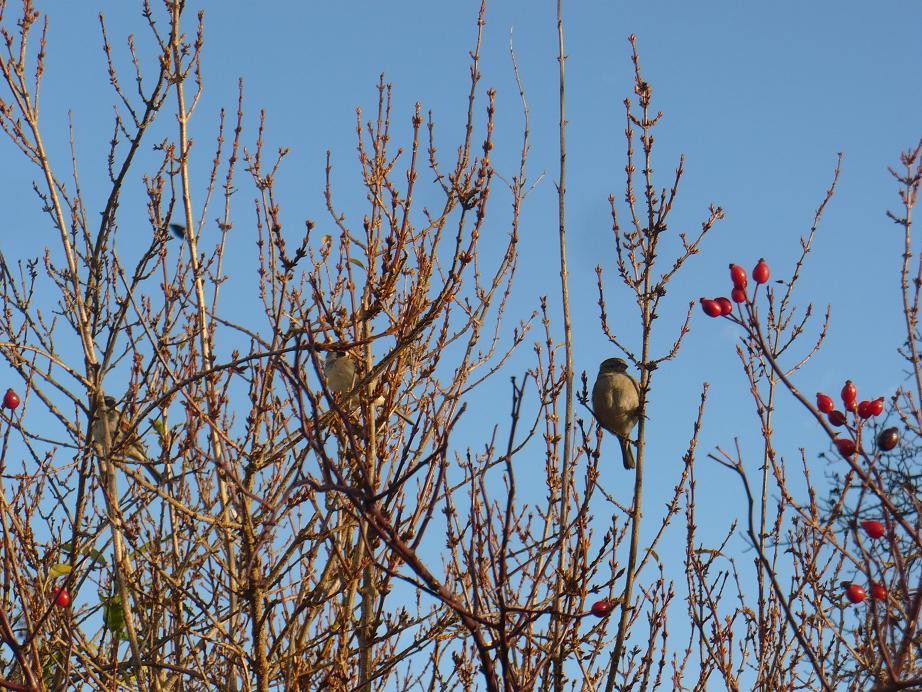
{"x": 339, "y": 371}
{"x": 616, "y": 404}
{"x": 178, "y": 230}
{"x": 122, "y": 441}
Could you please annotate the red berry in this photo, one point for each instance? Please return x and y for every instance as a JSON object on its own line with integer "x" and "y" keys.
{"x": 849, "y": 394}
{"x": 877, "y": 407}
{"x": 61, "y": 597}
{"x": 738, "y": 276}
{"x": 864, "y": 409}
{"x": 760, "y": 272}
{"x": 738, "y": 295}
{"x": 711, "y": 307}
{"x": 837, "y": 418}
{"x": 10, "y": 400}
{"x": 874, "y": 529}
{"x": 845, "y": 446}
{"x": 602, "y": 609}
{"x": 824, "y": 403}
{"x": 878, "y": 591}
{"x": 855, "y": 593}
{"x": 888, "y": 439}
{"x": 726, "y": 307}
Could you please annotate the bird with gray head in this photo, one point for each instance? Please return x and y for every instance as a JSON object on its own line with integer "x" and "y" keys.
{"x": 122, "y": 441}
{"x": 339, "y": 371}
{"x": 616, "y": 404}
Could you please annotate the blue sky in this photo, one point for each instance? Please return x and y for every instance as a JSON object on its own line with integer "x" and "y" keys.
{"x": 760, "y": 97}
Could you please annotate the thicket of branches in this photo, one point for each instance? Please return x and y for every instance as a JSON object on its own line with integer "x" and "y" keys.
{"x": 283, "y": 535}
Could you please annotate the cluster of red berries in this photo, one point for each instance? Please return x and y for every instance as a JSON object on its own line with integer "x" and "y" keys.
{"x": 886, "y": 440}
{"x": 721, "y": 307}
{"x": 864, "y": 409}
{"x": 856, "y": 593}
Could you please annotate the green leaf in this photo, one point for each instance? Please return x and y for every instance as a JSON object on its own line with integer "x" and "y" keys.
{"x": 96, "y": 555}
{"x": 92, "y": 552}
{"x": 163, "y": 432}
{"x": 59, "y": 570}
{"x": 113, "y": 615}
{"x": 708, "y": 551}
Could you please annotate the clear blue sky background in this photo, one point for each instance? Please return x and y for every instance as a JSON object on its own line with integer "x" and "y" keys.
{"x": 760, "y": 97}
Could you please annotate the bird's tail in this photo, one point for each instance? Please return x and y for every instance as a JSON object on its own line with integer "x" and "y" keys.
{"x": 627, "y": 455}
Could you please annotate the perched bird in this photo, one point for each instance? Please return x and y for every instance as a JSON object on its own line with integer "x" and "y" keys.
{"x": 616, "y": 404}
{"x": 339, "y": 371}
{"x": 178, "y": 230}
{"x": 122, "y": 441}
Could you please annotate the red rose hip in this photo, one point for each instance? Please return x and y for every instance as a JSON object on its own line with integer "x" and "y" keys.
{"x": 877, "y": 407}
{"x": 11, "y": 400}
{"x": 864, "y": 409}
{"x": 874, "y": 529}
{"x": 711, "y": 307}
{"x": 602, "y": 609}
{"x": 878, "y": 591}
{"x": 61, "y": 597}
{"x": 726, "y": 307}
{"x": 761, "y": 272}
{"x": 888, "y": 439}
{"x": 738, "y": 295}
{"x": 855, "y": 593}
{"x": 738, "y": 276}
{"x": 824, "y": 403}
{"x": 836, "y": 418}
{"x": 845, "y": 446}
{"x": 849, "y": 394}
